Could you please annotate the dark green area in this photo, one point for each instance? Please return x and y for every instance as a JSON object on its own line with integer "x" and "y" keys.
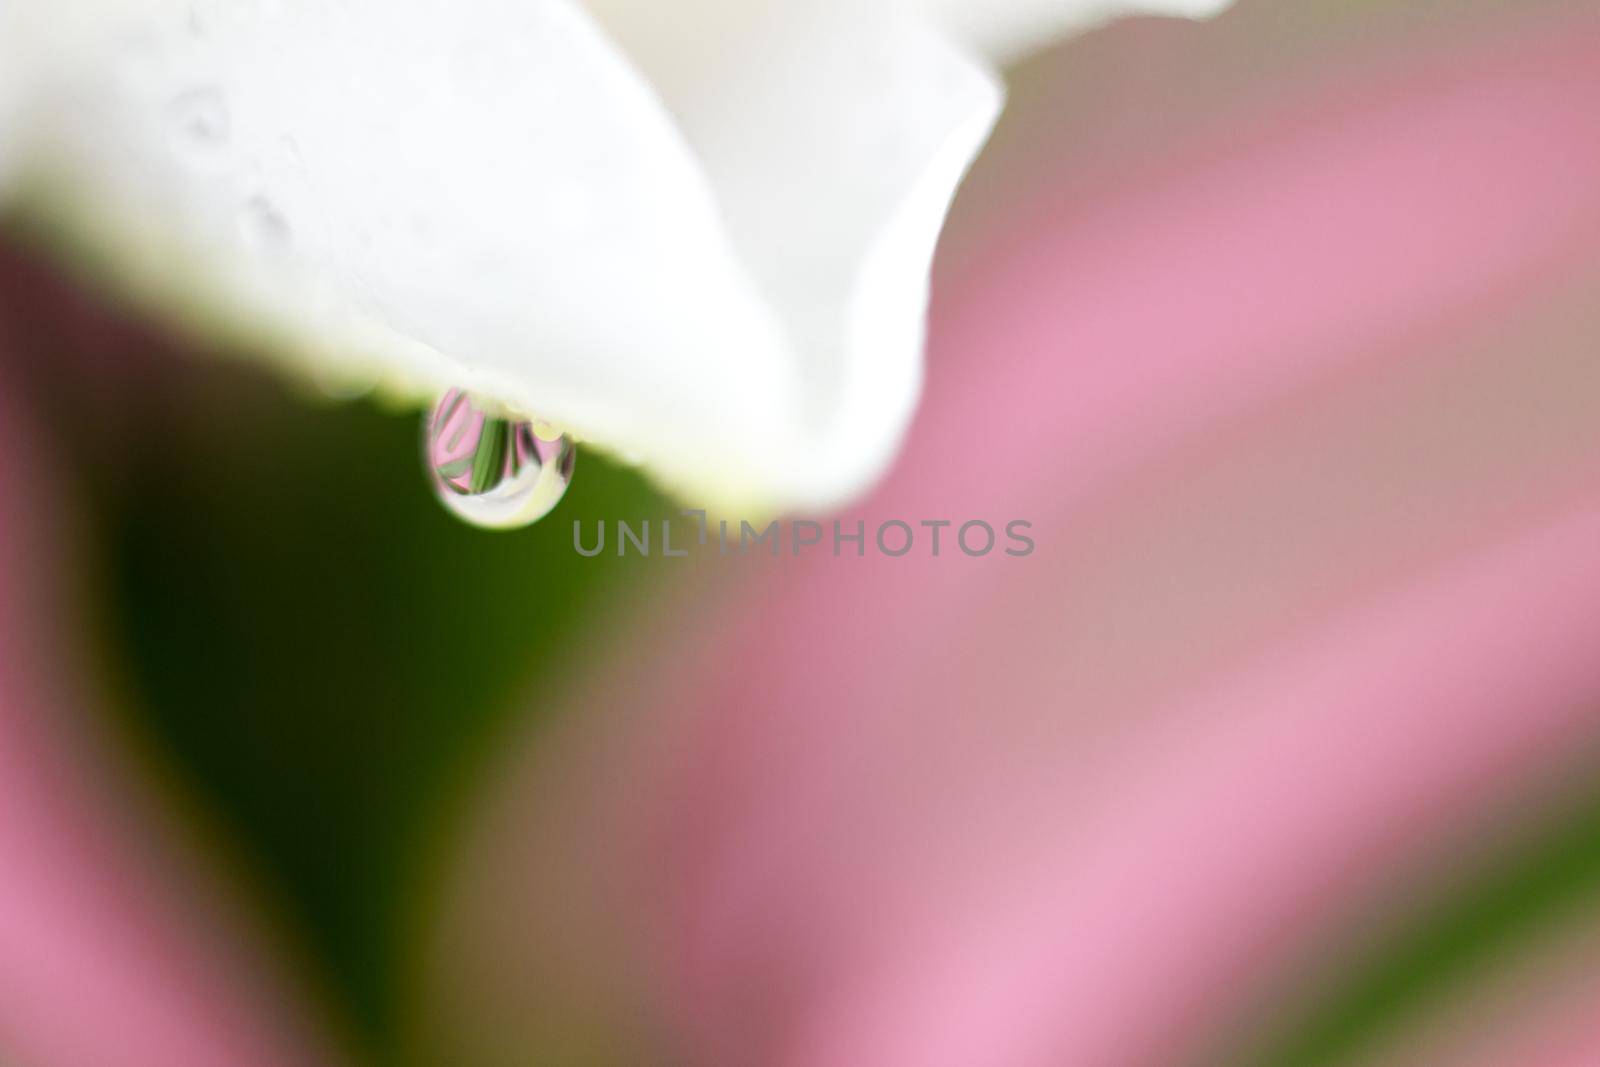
{"x": 1549, "y": 874}
{"x": 320, "y": 649}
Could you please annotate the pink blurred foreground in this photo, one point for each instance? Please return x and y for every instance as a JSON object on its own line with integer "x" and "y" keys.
{"x": 1300, "y": 400}
{"x": 118, "y": 948}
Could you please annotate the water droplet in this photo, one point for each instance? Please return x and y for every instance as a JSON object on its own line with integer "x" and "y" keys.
{"x": 200, "y": 125}
{"x": 263, "y": 226}
{"x": 493, "y": 469}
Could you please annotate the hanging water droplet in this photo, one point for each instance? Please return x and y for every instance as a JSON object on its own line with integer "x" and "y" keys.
{"x": 494, "y": 469}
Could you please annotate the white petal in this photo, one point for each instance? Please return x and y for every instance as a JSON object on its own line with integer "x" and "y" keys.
{"x": 481, "y": 193}
{"x": 1008, "y": 29}
{"x": 709, "y": 247}
{"x": 834, "y": 135}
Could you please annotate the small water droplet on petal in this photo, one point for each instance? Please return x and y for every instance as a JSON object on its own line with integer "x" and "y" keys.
{"x": 490, "y": 468}
{"x": 263, "y": 226}
{"x": 200, "y": 125}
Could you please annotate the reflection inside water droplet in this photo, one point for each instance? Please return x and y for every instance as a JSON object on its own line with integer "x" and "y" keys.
{"x": 490, "y": 468}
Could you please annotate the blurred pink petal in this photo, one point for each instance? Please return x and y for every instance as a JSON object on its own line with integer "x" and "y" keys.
{"x": 1303, "y": 416}
{"x": 116, "y": 948}
{"x": 1568, "y": 1037}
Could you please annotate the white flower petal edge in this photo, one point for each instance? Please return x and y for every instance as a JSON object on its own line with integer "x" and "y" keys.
{"x": 833, "y": 135}
{"x": 699, "y": 233}
{"x": 1005, "y": 31}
